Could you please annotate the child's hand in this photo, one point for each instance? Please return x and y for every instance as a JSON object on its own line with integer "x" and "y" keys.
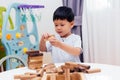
{"x": 47, "y": 36}
{"x": 54, "y": 41}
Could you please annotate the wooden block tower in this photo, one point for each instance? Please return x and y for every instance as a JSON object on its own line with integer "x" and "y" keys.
{"x": 35, "y": 59}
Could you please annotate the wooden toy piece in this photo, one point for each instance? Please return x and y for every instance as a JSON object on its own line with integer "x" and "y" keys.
{"x": 85, "y": 66}
{"x": 75, "y": 76}
{"x": 71, "y": 64}
{"x": 49, "y": 66}
{"x": 67, "y": 74}
{"x": 36, "y": 78}
{"x": 72, "y": 68}
{"x": 51, "y": 70}
{"x": 35, "y": 59}
{"x": 45, "y": 77}
{"x": 60, "y": 70}
{"x": 53, "y": 77}
{"x": 93, "y": 70}
{"x": 27, "y": 77}
{"x": 77, "y": 65}
{"x": 51, "y": 36}
{"x": 79, "y": 69}
{"x": 24, "y": 77}
{"x": 60, "y": 77}
{"x": 34, "y": 53}
{"x": 29, "y": 73}
{"x": 50, "y": 76}
{"x": 82, "y": 76}
{"x": 41, "y": 72}
{"x": 35, "y": 65}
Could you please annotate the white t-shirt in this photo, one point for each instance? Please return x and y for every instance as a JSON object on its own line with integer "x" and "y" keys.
{"x": 59, "y": 55}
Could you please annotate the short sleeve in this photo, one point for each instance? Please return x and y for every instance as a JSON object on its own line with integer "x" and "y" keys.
{"x": 77, "y": 41}
{"x": 48, "y": 46}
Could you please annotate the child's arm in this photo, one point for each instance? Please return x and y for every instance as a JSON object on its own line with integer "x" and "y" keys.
{"x": 45, "y": 37}
{"x": 70, "y": 49}
{"x": 43, "y": 44}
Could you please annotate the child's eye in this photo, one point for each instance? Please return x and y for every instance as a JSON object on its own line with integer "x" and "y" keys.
{"x": 56, "y": 25}
{"x": 62, "y": 25}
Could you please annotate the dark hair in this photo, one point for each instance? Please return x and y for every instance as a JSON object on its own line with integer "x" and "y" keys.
{"x": 62, "y": 13}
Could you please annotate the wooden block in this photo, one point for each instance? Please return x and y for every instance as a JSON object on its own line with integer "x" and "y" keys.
{"x": 35, "y": 58}
{"x": 53, "y": 77}
{"x": 71, "y": 64}
{"x": 36, "y": 78}
{"x": 75, "y": 76}
{"x": 34, "y": 53}
{"x": 68, "y": 66}
{"x": 82, "y": 76}
{"x": 51, "y": 36}
{"x": 41, "y": 72}
{"x": 49, "y": 66}
{"x": 93, "y": 70}
{"x": 48, "y": 77}
{"x": 60, "y": 70}
{"x": 51, "y": 70}
{"x": 29, "y": 73}
{"x": 85, "y": 66}
{"x": 60, "y": 77}
{"x": 36, "y": 62}
{"x": 44, "y": 77}
{"x": 67, "y": 74}
{"x": 26, "y": 77}
{"x": 75, "y": 65}
{"x": 64, "y": 67}
{"x": 79, "y": 69}
{"x": 37, "y": 70}
{"x": 34, "y": 66}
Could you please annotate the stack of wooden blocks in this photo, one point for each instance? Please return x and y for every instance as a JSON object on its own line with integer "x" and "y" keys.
{"x": 35, "y": 59}
{"x": 67, "y": 71}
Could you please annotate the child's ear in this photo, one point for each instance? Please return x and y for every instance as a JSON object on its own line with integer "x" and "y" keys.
{"x": 72, "y": 24}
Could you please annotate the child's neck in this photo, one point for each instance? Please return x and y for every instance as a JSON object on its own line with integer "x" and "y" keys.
{"x": 65, "y": 36}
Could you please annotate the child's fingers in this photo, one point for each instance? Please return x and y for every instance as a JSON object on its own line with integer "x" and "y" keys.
{"x": 51, "y": 37}
{"x": 47, "y": 36}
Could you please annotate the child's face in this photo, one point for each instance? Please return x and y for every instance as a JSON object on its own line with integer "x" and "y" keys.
{"x": 63, "y": 27}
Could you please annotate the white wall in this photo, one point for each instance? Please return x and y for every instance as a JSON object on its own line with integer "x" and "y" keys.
{"x": 46, "y": 24}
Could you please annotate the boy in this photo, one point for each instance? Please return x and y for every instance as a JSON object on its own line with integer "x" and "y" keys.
{"x": 65, "y": 46}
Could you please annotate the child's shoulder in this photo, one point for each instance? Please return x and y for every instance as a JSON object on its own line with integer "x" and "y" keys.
{"x": 75, "y": 35}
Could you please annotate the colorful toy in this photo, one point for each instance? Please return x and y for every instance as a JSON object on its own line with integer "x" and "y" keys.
{"x": 2, "y": 12}
{"x": 17, "y": 41}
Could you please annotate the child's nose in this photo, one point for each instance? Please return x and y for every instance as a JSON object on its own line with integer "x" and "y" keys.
{"x": 58, "y": 27}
